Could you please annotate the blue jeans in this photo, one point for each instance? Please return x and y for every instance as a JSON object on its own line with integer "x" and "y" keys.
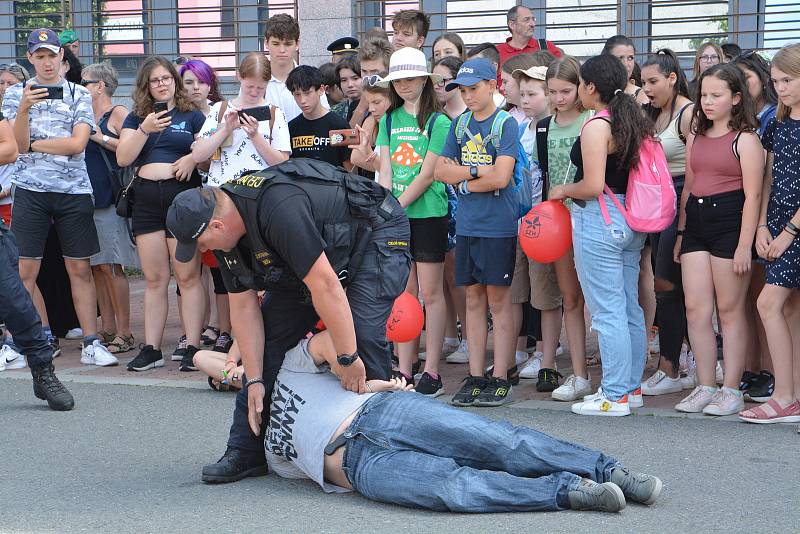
{"x": 404, "y": 448}
{"x": 16, "y": 306}
{"x": 607, "y": 261}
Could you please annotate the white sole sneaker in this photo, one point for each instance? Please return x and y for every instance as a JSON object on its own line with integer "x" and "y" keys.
{"x": 602, "y": 407}
{"x": 661, "y": 384}
{"x": 573, "y": 388}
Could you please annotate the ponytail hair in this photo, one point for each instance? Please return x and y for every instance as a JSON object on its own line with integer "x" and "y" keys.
{"x": 667, "y": 63}
{"x": 628, "y": 124}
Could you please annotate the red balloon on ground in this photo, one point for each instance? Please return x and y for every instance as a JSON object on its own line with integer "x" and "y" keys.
{"x": 406, "y": 320}
{"x": 545, "y": 233}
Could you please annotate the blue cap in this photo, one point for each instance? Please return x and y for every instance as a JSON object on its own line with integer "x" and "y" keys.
{"x": 473, "y": 71}
{"x": 43, "y": 38}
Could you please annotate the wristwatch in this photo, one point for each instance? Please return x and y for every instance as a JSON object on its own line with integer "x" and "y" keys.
{"x": 106, "y": 139}
{"x": 473, "y": 172}
{"x": 346, "y": 360}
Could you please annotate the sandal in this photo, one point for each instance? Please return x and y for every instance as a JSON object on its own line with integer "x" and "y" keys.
{"x": 218, "y": 386}
{"x": 771, "y": 412}
{"x": 593, "y": 360}
{"x": 121, "y": 344}
{"x": 210, "y": 335}
{"x": 106, "y": 337}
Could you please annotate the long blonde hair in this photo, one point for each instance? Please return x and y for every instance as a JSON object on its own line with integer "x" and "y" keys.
{"x": 787, "y": 60}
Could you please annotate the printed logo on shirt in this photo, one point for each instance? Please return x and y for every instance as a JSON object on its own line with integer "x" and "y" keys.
{"x": 473, "y": 152}
{"x": 282, "y": 416}
{"x": 405, "y": 155}
{"x": 180, "y": 127}
{"x": 309, "y": 141}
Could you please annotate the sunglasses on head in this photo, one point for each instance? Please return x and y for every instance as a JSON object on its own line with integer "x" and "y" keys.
{"x": 370, "y": 81}
{"x": 181, "y": 60}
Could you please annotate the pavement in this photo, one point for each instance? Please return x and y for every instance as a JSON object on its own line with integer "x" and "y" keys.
{"x": 128, "y": 459}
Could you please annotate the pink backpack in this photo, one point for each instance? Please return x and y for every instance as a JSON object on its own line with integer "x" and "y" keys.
{"x": 650, "y": 200}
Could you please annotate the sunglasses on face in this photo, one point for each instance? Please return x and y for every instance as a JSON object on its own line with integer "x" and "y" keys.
{"x": 87, "y": 82}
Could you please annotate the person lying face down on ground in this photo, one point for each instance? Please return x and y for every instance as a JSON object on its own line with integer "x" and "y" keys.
{"x": 344, "y": 441}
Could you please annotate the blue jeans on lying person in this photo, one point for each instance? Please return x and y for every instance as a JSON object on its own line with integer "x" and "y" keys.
{"x": 607, "y": 260}
{"x": 407, "y": 449}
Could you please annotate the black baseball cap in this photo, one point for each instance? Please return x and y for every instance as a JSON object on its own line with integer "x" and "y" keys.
{"x": 187, "y": 218}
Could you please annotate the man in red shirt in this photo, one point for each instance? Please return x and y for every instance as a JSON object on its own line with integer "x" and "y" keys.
{"x": 521, "y": 24}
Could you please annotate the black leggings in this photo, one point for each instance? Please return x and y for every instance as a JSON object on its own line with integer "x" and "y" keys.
{"x": 670, "y": 306}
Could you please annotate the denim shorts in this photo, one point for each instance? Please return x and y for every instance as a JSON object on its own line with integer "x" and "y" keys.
{"x": 713, "y": 224}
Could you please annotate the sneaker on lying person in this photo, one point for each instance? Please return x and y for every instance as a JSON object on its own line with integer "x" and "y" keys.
{"x": 97, "y": 354}
{"x": 589, "y": 495}
{"x": 638, "y": 487}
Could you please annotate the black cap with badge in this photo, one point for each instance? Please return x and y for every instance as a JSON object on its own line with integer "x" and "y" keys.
{"x": 188, "y": 218}
{"x": 343, "y": 45}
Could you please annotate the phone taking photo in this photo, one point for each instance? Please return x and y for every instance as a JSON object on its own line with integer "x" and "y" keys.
{"x": 344, "y": 137}
{"x": 54, "y": 92}
{"x": 260, "y": 113}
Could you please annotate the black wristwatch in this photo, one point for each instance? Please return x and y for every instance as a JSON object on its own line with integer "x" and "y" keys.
{"x": 346, "y": 360}
{"x": 473, "y": 172}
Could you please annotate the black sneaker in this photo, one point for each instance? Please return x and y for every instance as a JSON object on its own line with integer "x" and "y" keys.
{"x": 53, "y": 342}
{"x": 180, "y": 350}
{"x": 208, "y": 340}
{"x": 148, "y": 358}
{"x": 46, "y": 386}
{"x": 548, "y": 380}
{"x": 223, "y": 343}
{"x": 429, "y": 386}
{"x": 473, "y": 386}
{"x": 496, "y": 393}
{"x": 235, "y": 465}
{"x": 748, "y": 378}
{"x": 762, "y": 387}
{"x": 187, "y": 363}
{"x": 512, "y": 375}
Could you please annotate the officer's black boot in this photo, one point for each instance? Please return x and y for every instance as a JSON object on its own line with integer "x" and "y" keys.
{"x": 46, "y": 386}
{"x": 235, "y": 465}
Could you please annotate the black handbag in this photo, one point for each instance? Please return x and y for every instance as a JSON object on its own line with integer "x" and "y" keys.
{"x": 125, "y": 199}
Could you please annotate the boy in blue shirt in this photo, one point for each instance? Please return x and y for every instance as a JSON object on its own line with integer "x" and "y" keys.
{"x": 481, "y": 166}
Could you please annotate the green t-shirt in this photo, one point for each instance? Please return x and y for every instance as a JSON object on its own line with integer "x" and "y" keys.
{"x": 407, "y": 149}
{"x": 559, "y": 144}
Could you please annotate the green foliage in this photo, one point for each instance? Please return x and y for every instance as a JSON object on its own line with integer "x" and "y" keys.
{"x": 722, "y": 24}
{"x": 32, "y": 14}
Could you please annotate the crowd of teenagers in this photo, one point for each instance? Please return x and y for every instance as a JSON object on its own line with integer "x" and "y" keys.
{"x": 714, "y": 294}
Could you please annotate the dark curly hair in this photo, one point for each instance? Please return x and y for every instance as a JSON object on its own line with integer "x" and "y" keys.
{"x": 628, "y": 124}
{"x": 143, "y": 100}
{"x": 743, "y": 114}
{"x": 752, "y": 61}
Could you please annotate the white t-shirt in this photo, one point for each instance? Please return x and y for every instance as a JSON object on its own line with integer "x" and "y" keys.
{"x": 279, "y": 95}
{"x": 242, "y": 155}
{"x": 308, "y": 405}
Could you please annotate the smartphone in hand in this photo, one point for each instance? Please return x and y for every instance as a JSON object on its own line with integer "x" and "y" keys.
{"x": 345, "y": 137}
{"x": 158, "y": 107}
{"x": 54, "y": 92}
{"x": 260, "y": 113}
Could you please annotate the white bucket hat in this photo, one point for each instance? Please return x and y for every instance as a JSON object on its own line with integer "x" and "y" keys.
{"x": 407, "y": 63}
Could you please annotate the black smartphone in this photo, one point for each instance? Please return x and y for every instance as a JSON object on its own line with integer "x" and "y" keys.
{"x": 54, "y": 92}
{"x": 261, "y": 113}
{"x": 158, "y": 107}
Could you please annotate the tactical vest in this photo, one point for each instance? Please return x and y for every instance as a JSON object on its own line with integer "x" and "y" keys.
{"x": 346, "y": 208}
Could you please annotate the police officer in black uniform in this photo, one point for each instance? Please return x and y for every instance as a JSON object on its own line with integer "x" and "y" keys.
{"x": 323, "y": 244}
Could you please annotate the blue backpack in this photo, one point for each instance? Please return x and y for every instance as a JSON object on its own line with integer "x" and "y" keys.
{"x": 523, "y": 183}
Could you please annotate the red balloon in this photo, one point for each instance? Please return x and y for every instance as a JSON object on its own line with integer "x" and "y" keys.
{"x": 545, "y": 233}
{"x": 406, "y": 320}
{"x": 208, "y": 259}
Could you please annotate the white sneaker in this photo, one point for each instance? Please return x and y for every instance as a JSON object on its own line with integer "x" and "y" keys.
{"x": 601, "y": 405}
{"x": 11, "y": 359}
{"x": 75, "y": 333}
{"x": 461, "y": 355}
{"x": 531, "y": 369}
{"x": 726, "y": 401}
{"x": 450, "y": 346}
{"x": 97, "y": 354}
{"x": 594, "y": 395}
{"x": 521, "y": 357}
{"x": 697, "y": 400}
{"x": 661, "y": 384}
{"x": 573, "y": 388}
{"x": 720, "y": 375}
{"x": 635, "y": 399}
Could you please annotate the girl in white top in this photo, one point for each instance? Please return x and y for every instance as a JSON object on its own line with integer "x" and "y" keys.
{"x": 244, "y": 143}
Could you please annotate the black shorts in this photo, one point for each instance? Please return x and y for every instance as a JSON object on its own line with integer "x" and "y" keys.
{"x": 488, "y": 261}
{"x": 72, "y": 215}
{"x": 429, "y": 239}
{"x": 713, "y": 224}
{"x": 151, "y": 200}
